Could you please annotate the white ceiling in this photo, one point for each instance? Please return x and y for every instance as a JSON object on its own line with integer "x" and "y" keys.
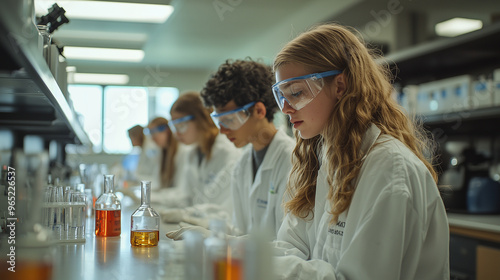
{"x": 198, "y": 38}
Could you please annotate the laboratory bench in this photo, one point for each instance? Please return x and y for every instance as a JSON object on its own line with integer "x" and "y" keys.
{"x": 115, "y": 258}
{"x": 474, "y": 246}
{"x": 110, "y": 258}
{"x": 474, "y": 252}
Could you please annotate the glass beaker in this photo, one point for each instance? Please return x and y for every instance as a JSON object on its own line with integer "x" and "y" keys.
{"x": 145, "y": 221}
{"x": 108, "y": 210}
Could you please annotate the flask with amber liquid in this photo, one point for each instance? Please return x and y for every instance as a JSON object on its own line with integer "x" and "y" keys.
{"x": 108, "y": 210}
{"x": 145, "y": 221}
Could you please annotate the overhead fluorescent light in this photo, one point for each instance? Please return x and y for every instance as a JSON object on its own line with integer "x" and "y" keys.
{"x": 457, "y": 26}
{"x": 106, "y": 35}
{"x": 105, "y": 54}
{"x": 100, "y": 79}
{"x": 112, "y": 11}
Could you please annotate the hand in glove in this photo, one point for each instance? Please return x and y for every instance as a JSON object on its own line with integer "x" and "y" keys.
{"x": 179, "y": 234}
{"x": 183, "y": 215}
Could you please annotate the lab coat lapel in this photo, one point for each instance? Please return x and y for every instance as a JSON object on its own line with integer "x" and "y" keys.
{"x": 369, "y": 139}
{"x": 248, "y": 174}
{"x": 267, "y": 163}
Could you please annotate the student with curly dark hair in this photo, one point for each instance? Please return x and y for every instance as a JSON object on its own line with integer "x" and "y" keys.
{"x": 240, "y": 93}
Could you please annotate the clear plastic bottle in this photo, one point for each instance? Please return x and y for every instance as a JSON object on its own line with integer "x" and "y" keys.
{"x": 145, "y": 221}
{"x": 193, "y": 251}
{"x": 108, "y": 210}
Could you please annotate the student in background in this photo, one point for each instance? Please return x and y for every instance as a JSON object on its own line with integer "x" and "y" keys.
{"x": 209, "y": 157}
{"x": 166, "y": 172}
{"x": 364, "y": 201}
{"x": 240, "y": 92}
{"x": 130, "y": 162}
{"x": 136, "y": 135}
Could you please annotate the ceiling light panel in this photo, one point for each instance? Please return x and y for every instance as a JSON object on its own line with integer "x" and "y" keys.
{"x": 103, "y": 54}
{"x": 110, "y": 11}
{"x": 100, "y": 79}
{"x": 457, "y": 26}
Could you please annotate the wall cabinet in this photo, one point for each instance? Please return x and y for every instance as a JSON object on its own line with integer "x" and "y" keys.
{"x": 474, "y": 253}
{"x": 475, "y": 54}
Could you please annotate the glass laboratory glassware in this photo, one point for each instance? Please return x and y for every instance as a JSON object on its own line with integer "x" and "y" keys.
{"x": 221, "y": 260}
{"x": 145, "y": 221}
{"x": 30, "y": 254}
{"x": 108, "y": 210}
{"x": 46, "y": 40}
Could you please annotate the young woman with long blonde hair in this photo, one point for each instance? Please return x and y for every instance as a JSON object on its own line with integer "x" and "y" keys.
{"x": 210, "y": 155}
{"x": 163, "y": 138}
{"x": 364, "y": 203}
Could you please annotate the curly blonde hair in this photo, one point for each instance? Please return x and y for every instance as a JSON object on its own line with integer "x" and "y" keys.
{"x": 367, "y": 100}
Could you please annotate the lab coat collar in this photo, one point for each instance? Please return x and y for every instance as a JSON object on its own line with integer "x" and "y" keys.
{"x": 369, "y": 139}
{"x": 269, "y": 159}
{"x": 268, "y": 163}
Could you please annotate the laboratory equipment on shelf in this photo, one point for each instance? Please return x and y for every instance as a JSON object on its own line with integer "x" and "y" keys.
{"x": 108, "y": 210}
{"x": 145, "y": 221}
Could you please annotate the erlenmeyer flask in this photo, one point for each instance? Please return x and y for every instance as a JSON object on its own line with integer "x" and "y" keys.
{"x": 108, "y": 210}
{"x": 145, "y": 221}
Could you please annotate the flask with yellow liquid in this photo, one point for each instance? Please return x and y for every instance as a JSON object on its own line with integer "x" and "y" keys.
{"x": 145, "y": 221}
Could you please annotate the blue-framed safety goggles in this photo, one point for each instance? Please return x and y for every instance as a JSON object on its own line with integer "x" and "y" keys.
{"x": 233, "y": 119}
{"x": 300, "y": 91}
{"x": 180, "y": 125}
{"x": 151, "y": 131}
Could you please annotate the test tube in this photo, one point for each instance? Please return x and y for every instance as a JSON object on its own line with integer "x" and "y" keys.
{"x": 89, "y": 209}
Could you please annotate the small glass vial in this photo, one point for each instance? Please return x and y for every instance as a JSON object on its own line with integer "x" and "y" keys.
{"x": 108, "y": 210}
{"x": 145, "y": 221}
{"x": 46, "y": 40}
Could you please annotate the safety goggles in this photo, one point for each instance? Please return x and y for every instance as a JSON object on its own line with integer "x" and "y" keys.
{"x": 151, "y": 131}
{"x": 233, "y": 119}
{"x": 300, "y": 91}
{"x": 180, "y": 125}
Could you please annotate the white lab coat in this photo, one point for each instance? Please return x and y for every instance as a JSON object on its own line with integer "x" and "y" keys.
{"x": 258, "y": 202}
{"x": 395, "y": 228}
{"x": 169, "y": 196}
{"x": 148, "y": 167}
{"x": 208, "y": 182}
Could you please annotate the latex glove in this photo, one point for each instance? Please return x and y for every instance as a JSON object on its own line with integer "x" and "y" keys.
{"x": 179, "y": 234}
{"x": 172, "y": 215}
